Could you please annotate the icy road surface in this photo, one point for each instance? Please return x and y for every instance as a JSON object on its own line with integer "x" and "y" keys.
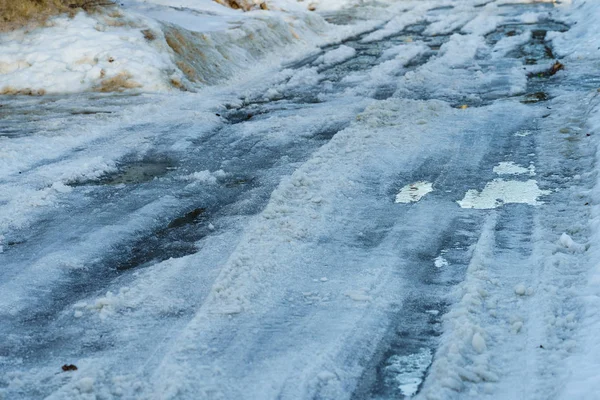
{"x": 377, "y": 220}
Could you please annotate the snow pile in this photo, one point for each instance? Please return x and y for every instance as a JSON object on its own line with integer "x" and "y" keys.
{"x": 148, "y": 46}
{"x": 99, "y": 53}
{"x": 584, "y": 365}
{"x": 581, "y": 40}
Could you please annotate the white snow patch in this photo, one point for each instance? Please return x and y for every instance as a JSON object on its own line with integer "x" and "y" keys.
{"x": 483, "y": 24}
{"x": 530, "y": 17}
{"x": 414, "y": 192}
{"x": 440, "y": 262}
{"x": 80, "y": 54}
{"x": 397, "y": 24}
{"x": 510, "y": 168}
{"x": 508, "y": 43}
{"x": 304, "y": 77}
{"x": 499, "y": 192}
{"x": 205, "y": 176}
{"x": 336, "y": 56}
{"x": 568, "y": 243}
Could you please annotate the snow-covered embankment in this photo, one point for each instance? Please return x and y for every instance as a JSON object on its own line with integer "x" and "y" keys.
{"x": 581, "y": 43}
{"x": 149, "y": 47}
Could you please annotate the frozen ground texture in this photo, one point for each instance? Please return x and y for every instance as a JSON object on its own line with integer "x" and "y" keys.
{"x": 403, "y": 212}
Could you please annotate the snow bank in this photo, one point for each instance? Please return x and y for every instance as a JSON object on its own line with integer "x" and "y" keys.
{"x": 149, "y": 46}
{"x": 584, "y": 365}
{"x": 581, "y": 43}
{"x": 581, "y": 40}
{"x": 99, "y": 53}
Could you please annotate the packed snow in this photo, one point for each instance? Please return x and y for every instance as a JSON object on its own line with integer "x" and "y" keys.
{"x": 362, "y": 208}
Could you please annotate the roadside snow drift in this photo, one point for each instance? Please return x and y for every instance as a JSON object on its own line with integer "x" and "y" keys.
{"x": 148, "y": 46}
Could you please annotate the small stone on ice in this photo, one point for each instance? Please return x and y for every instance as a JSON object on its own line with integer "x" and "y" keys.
{"x": 520, "y": 289}
{"x": 323, "y": 279}
{"x": 211, "y": 227}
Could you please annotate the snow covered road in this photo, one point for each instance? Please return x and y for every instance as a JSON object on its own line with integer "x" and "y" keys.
{"x": 400, "y": 214}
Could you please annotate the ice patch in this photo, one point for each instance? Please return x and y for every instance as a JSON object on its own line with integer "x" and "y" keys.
{"x": 414, "y": 192}
{"x": 410, "y": 370}
{"x": 499, "y": 192}
{"x": 440, "y": 262}
{"x": 510, "y": 168}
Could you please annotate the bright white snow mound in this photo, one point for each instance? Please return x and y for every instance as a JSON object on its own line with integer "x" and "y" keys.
{"x": 148, "y": 46}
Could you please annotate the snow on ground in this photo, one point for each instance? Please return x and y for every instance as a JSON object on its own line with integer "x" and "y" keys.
{"x": 291, "y": 299}
{"x": 83, "y": 53}
{"x": 142, "y": 45}
{"x": 582, "y": 44}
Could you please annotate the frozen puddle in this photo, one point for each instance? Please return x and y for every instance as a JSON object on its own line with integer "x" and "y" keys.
{"x": 414, "y": 192}
{"x": 499, "y": 192}
{"x": 409, "y": 371}
{"x": 510, "y": 168}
